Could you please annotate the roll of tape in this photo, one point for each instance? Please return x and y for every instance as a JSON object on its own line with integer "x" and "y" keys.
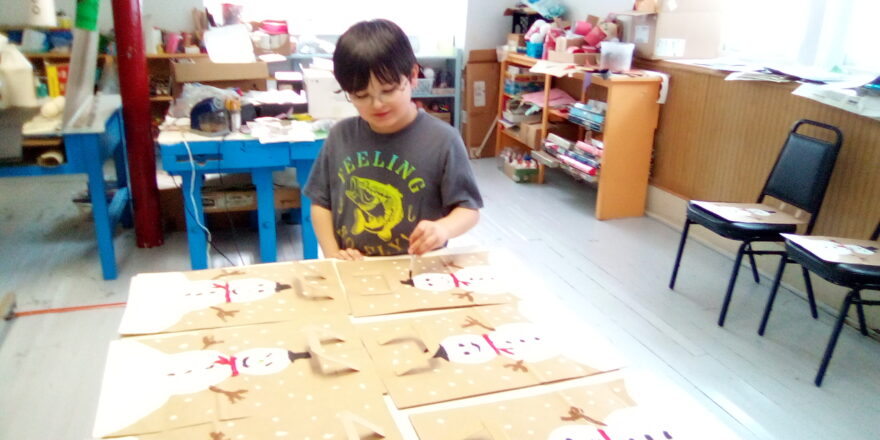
{"x": 51, "y": 158}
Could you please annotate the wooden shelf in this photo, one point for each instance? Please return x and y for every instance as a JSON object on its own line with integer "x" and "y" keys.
{"x": 628, "y": 132}
{"x": 556, "y": 115}
{"x": 47, "y": 55}
{"x": 161, "y": 98}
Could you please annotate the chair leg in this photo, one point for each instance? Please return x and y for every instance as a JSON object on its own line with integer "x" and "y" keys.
{"x": 684, "y": 234}
{"x": 769, "y": 307}
{"x": 835, "y": 333}
{"x": 810, "y": 296}
{"x": 754, "y": 265}
{"x": 863, "y": 326}
{"x": 731, "y": 284}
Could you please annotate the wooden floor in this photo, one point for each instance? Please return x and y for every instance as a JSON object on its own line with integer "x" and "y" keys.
{"x": 613, "y": 273}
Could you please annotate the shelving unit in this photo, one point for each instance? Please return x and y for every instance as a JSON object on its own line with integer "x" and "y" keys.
{"x": 628, "y": 133}
{"x": 160, "y": 79}
{"x": 451, "y": 63}
{"x": 39, "y": 60}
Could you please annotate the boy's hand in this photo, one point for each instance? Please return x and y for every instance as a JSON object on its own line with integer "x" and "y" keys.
{"x": 428, "y": 235}
{"x": 349, "y": 254}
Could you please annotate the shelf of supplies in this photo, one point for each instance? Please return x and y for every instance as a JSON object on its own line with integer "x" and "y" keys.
{"x": 628, "y": 133}
{"x": 47, "y": 55}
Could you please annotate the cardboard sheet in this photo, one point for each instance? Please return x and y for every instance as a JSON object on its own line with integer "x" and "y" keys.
{"x": 311, "y": 422}
{"x": 615, "y": 406}
{"x": 840, "y": 250}
{"x": 403, "y": 284}
{"x": 303, "y": 292}
{"x": 462, "y": 353}
{"x": 161, "y": 382}
{"x": 750, "y": 213}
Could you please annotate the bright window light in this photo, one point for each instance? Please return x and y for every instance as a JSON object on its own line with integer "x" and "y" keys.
{"x": 824, "y": 34}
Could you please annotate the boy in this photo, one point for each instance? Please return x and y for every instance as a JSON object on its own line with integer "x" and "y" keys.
{"x": 394, "y": 180}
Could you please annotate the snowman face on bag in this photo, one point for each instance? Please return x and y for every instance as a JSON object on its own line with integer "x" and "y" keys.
{"x": 480, "y": 279}
{"x": 252, "y": 289}
{"x": 468, "y": 349}
{"x": 434, "y": 282}
{"x": 202, "y": 294}
{"x": 193, "y": 371}
{"x": 626, "y": 423}
{"x": 262, "y": 361}
{"x": 524, "y": 341}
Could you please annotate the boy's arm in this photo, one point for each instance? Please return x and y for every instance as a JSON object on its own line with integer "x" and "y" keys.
{"x": 322, "y": 221}
{"x": 429, "y": 235}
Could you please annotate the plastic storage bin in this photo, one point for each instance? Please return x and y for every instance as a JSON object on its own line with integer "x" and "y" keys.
{"x": 534, "y": 50}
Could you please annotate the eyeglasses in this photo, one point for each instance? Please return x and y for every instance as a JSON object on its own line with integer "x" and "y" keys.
{"x": 385, "y": 96}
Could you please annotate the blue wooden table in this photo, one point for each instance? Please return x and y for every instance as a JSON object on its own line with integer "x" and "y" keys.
{"x": 191, "y": 156}
{"x": 88, "y": 142}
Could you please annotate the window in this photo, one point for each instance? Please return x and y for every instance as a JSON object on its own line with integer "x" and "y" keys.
{"x": 824, "y": 34}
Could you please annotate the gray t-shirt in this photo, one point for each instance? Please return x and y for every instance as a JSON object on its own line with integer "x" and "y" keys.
{"x": 379, "y": 186}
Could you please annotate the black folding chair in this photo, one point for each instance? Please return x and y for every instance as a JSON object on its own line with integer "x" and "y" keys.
{"x": 799, "y": 178}
{"x": 856, "y": 277}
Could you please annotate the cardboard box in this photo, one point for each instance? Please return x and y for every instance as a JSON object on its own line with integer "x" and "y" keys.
{"x": 482, "y": 75}
{"x": 246, "y": 76}
{"x": 520, "y": 175}
{"x": 563, "y": 43}
{"x": 530, "y": 134}
{"x": 648, "y": 6}
{"x": 581, "y": 59}
{"x": 674, "y": 34}
{"x": 246, "y": 200}
{"x": 237, "y": 197}
{"x": 443, "y": 116}
{"x": 514, "y": 41}
{"x": 202, "y": 70}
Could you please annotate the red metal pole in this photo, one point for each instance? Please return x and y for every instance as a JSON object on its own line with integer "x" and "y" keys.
{"x": 135, "y": 90}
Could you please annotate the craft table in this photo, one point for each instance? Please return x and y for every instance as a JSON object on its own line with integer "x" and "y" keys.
{"x": 89, "y": 141}
{"x": 191, "y": 156}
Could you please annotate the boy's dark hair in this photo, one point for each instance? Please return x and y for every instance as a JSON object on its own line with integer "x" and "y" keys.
{"x": 377, "y": 47}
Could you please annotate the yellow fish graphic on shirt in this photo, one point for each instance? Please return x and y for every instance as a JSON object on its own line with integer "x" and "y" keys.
{"x": 380, "y": 206}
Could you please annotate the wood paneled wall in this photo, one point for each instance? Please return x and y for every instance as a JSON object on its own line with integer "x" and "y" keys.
{"x": 717, "y": 140}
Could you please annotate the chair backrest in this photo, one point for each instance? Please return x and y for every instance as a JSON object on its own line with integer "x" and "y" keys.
{"x": 803, "y": 169}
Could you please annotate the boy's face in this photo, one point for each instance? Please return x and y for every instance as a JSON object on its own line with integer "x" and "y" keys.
{"x": 388, "y": 108}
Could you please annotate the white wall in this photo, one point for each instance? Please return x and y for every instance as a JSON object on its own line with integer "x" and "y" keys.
{"x": 578, "y": 10}
{"x": 486, "y": 27}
